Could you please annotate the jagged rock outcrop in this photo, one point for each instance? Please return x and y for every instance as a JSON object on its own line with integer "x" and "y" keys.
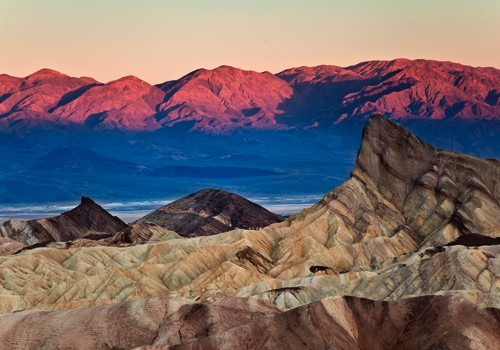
{"x": 436, "y": 194}
{"x": 381, "y": 235}
{"x": 210, "y": 211}
{"x": 427, "y": 322}
{"x": 85, "y": 219}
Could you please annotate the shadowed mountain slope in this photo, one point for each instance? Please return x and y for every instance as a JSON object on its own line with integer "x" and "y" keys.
{"x": 400, "y": 89}
{"x": 209, "y": 212}
{"x": 410, "y": 89}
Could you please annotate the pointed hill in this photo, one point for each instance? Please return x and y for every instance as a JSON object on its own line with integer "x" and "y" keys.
{"x": 87, "y": 218}
{"x": 209, "y": 212}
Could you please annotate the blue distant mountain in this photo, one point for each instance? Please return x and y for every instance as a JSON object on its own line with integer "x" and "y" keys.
{"x": 84, "y": 161}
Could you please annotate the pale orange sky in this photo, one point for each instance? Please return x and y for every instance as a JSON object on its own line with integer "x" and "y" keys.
{"x": 159, "y": 40}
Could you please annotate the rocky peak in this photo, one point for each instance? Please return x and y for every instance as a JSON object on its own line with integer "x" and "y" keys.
{"x": 86, "y": 218}
{"x": 94, "y": 217}
{"x": 389, "y": 151}
{"x": 211, "y": 211}
{"x": 131, "y": 80}
{"x": 317, "y": 75}
{"x": 435, "y": 191}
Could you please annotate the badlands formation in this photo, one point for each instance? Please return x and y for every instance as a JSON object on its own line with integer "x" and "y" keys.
{"x": 380, "y": 262}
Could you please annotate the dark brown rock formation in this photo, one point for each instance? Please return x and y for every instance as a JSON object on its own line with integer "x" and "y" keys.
{"x": 435, "y": 194}
{"x": 86, "y": 218}
{"x": 209, "y": 212}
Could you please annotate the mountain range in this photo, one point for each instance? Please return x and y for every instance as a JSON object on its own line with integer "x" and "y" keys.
{"x": 225, "y": 99}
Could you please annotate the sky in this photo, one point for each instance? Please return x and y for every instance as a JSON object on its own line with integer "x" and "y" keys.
{"x": 160, "y": 40}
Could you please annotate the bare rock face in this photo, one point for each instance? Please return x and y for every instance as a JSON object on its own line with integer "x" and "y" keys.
{"x": 436, "y": 194}
{"x": 210, "y": 212}
{"x": 428, "y": 322}
{"x": 85, "y": 219}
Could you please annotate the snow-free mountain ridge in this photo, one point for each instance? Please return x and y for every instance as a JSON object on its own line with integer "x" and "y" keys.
{"x": 225, "y": 99}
